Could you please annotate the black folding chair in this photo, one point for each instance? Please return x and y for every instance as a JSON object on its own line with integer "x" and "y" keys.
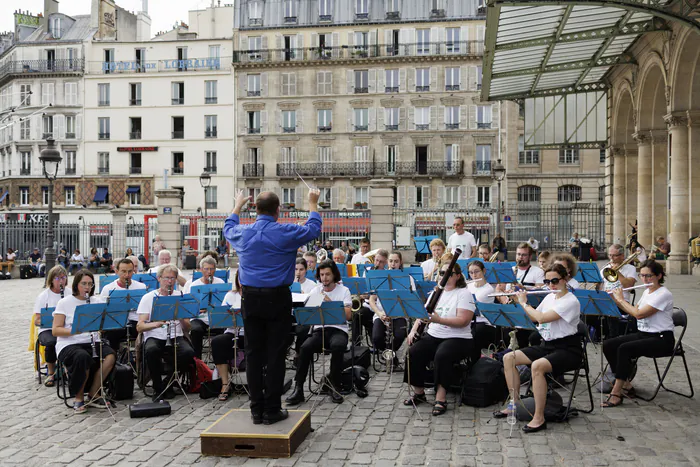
{"x": 680, "y": 319}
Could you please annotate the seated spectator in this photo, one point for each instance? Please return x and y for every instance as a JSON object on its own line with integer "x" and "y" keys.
{"x": 106, "y": 260}
{"x": 37, "y": 262}
{"x": 222, "y": 250}
{"x": 94, "y": 259}
{"x": 76, "y": 261}
{"x": 664, "y": 248}
{"x": 62, "y": 258}
{"x": 10, "y": 258}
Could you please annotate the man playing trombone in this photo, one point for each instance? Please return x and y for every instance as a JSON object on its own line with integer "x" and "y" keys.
{"x": 619, "y": 274}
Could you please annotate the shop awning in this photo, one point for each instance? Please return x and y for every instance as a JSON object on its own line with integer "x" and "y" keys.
{"x": 4, "y": 195}
{"x": 133, "y": 189}
{"x": 101, "y": 194}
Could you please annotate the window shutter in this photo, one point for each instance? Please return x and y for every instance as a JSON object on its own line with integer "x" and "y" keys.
{"x": 369, "y": 197}
{"x": 373, "y": 43}
{"x": 299, "y": 197}
{"x": 314, "y": 40}
{"x": 426, "y": 196}
{"x": 336, "y": 44}
{"x": 387, "y": 39}
{"x": 411, "y": 197}
{"x": 380, "y": 119}
{"x": 411, "y": 79}
{"x": 442, "y": 36}
{"x": 402, "y": 119}
{"x": 472, "y": 197}
{"x": 404, "y": 37}
{"x": 411, "y": 118}
{"x": 349, "y": 197}
{"x": 59, "y": 127}
{"x": 299, "y": 54}
{"x": 300, "y": 122}
{"x": 433, "y": 118}
{"x": 279, "y": 46}
{"x": 433, "y": 78}
{"x": 350, "y": 78}
{"x": 244, "y": 85}
{"x": 372, "y": 119}
{"x": 462, "y": 196}
{"x": 350, "y": 126}
{"x": 334, "y": 197}
{"x": 263, "y": 121}
{"x": 472, "y": 117}
{"x": 464, "y": 39}
{"x": 402, "y": 80}
{"x": 351, "y": 38}
{"x": 472, "y": 78}
{"x": 372, "y": 75}
{"x": 284, "y": 81}
{"x": 243, "y": 122}
{"x": 442, "y": 115}
{"x": 463, "y": 117}
{"x": 433, "y": 40}
{"x": 463, "y": 80}
{"x": 494, "y": 195}
{"x": 440, "y": 196}
{"x": 495, "y": 115}
{"x": 278, "y": 122}
{"x": 78, "y": 126}
{"x": 263, "y": 84}
{"x": 264, "y": 42}
{"x": 381, "y": 80}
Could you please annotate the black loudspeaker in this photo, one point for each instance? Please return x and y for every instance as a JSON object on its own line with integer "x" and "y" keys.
{"x": 26, "y": 272}
{"x": 150, "y": 409}
{"x": 363, "y": 357}
{"x": 121, "y": 382}
{"x": 190, "y": 262}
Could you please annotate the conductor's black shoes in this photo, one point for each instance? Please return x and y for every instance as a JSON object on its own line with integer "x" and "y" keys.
{"x": 297, "y": 395}
{"x": 269, "y": 419}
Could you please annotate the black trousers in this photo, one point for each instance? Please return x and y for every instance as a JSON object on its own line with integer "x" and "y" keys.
{"x": 267, "y": 323}
{"x": 301, "y": 332}
{"x": 444, "y": 353}
{"x": 198, "y": 332}
{"x": 118, "y": 335}
{"x": 155, "y": 352}
{"x": 222, "y": 348}
{"x": 620, "y": 351}
{"x": 48, "y": 340}
{"x": 78, "y": 360}
{"x": 484, "y": 336}
{"x": 398, "y": 329}
{"x": 333, "y": 339}
{"x": 362, "y": 319}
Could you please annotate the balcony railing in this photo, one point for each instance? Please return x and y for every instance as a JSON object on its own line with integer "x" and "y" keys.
{"x": 324, "y": 129}
{"x": 211, "y": 205}
{"x": 391, "y": 127}
{"x": 103, "y": 136}
{"x": 210, "y": 133}
{"x": 178, "y": 101}
{"x": 103, "y": 103}
{"x": 103, "y": 170}
{"x": 254, "y": 93}
{"x": 134, "y": 101}
{"x": 47, "y": 134}
{"x": 253, "y": 170}
{"x": 29, "y": 67}
{"x": 290, "y": 20}
{"x": 393, "y": 15}
{"x": 452, "y": 87}
{"x": 481, "y": 168}
{"x": 370, "y": 169}
{"x": 452, "y": 126}
{"x": 483, "y": 125}
{"x": 70, "y": 135}
{"x": 178, "y": 134}
{"x": 289, "y": 129}
{"x": 70, "y": 170}
{"x": 361, "y": 90}
{"x": 25, "y": 171}
{"x": 211, "y": 100}
{"x": 465, "y": 48}
{"x": 211, "y": 169}
{"x": 159, "y": 66}
{"x": 360, "y": 127}
{"x": 135, "y": 135}
{"x": 415, "y": 168}
{"x": 391, "y": 89}
{"x": 423, "y": 88}
{"x": 253, "y": 131}
{"x": 422, "y": 126}
{"x": 134, "y": 170}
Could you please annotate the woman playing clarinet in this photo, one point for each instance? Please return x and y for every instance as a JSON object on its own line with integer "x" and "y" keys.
{"x": 448, "y": 340}
{"x": 557, "y": 319}
{"x": 78, "y": 351}
{"x": 222, "y": 345}
{"x": 654, "y": 337}
{"x": 55, "y": 285}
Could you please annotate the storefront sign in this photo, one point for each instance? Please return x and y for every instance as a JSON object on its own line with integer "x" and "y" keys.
{"x": 137, "y": 149}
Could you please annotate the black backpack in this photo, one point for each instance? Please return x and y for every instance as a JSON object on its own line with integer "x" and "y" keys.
{"x": 485, "y": 384}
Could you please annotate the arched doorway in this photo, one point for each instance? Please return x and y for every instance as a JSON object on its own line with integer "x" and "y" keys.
{"x": 624, "y": 153}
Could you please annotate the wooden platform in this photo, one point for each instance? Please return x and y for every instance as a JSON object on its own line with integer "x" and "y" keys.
{"x": 234, "y": 434}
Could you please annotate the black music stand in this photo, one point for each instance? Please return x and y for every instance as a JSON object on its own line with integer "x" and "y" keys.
{"x": 131, "y": 299}
{"x": 224, "y": 317}
{"x": 95, "y": 318}
{"x": 173, "y": 308}
{"x": 329, "y": 313}
{"x": 598, "y": 303}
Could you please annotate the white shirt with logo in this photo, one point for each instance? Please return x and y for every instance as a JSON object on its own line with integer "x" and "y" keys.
{"x": 568, "y": 307}
{"x": 66, "y": 307}
{"x": 203, "y": 317}
{"x": 661, "y": 321}
{"x": 114, "y": 285}
{"x": 628, "y": 271}
{"x": 447, "y": 306}
{"x": 464, "y": 242}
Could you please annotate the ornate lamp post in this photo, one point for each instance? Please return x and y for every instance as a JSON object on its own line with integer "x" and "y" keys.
{"x": 499, "y": 173}
{"x": 50, "y": 158}
{"x": 205, "y": 181}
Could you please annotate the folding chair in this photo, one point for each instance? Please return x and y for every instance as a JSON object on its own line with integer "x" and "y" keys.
{"x": 62, "y": 381}
{"x": 680, "y": 319}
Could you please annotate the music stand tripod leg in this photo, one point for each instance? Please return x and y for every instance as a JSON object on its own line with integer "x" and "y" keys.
{"x": 102, "y": 393}
{"x": 235, "y": 372}
{"x": 175, "y": 378}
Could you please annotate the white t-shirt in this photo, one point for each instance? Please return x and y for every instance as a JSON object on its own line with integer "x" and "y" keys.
{"x": 357, "y": 258}
{"x": 642, "y": 254}
{"x": 535, "y": 275}
{"x": 77, "y": 258}
{"x": 46, "y": 299}
{"x": 66, "y": 306}
{"x": 11, "y": 256}
{"x": 157, "y": 268}
{"x": 447, "y": 307}
{"x": 233, "y": 299}
{"x": 662, "y": 320}
{"x": 465, "y": 242}
{"x": 339, "y": 294}
{"x": 568, "y": 307}
{"x": 114, "y": 285}
{"x": 628, "y": 271}
{"x": 307, "y": 286}
{"x": 482, "y": 295}
{"x": 428, "y": 267}
{"x": 145, "y": 308}
{"x": 204, "y": 317}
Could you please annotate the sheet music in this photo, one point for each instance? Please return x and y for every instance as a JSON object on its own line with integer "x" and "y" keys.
{"x": 300, "y": 298}
{"x": 314, "y": 300}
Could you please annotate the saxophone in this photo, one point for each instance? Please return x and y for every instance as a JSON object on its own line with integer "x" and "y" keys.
{"x": 388, "y": 354}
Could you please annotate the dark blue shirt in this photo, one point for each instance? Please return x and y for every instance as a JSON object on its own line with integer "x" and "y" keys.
{"x": 107, "y": 256}
{"x": 267, "y": 249}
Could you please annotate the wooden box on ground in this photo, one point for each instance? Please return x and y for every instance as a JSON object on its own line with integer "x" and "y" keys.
{"x": 234, "y": 434}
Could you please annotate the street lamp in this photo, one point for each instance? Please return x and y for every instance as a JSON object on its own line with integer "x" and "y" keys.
{"x": 50, "y": 158}
{"x": 499, "y": 173}
{"x": 205, "y": 181}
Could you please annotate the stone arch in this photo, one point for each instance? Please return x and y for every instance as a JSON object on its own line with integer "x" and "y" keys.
{"x": 685, "y": 75}
{"x": 623, "y": 116}
{"x": 651, "y": 94}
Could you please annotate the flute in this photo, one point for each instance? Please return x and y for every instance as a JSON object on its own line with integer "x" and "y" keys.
{"x": 529, "y": 292}
{"x": 641, "y": 286}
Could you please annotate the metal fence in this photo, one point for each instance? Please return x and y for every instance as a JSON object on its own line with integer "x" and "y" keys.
{"x": 551, "y": 225}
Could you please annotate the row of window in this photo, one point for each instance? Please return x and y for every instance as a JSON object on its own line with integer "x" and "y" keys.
{"x": 46, "y": 97}
{"x": 135, "y": 163}
{"x": 133, "y": 194}
{"x": 387, "y": 81}
{"x": 140, "y": 65}
{"x": 136, "y": 127}
{"x": 565, "y": 194}
{"x": 27, "y": 162}
{"x": 211, "y": 93}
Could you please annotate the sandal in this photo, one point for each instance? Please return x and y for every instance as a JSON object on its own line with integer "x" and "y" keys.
{"x": 630, "y": 393}
{"x": 50, "y": 381}
{"x": 439, "y": 408}
{"x": 224, "y": 395}
{"x": 79, "y": 407}
{"x": 608, "y": 404}
{"x": 416, "y": 399}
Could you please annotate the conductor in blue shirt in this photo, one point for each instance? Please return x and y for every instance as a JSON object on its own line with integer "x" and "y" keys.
{"x": 267, "y": 251}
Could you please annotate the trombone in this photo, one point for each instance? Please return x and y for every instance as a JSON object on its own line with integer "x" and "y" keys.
{"x": 611, "y": 274}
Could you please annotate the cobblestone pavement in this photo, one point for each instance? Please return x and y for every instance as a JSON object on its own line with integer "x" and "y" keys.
{"x": 37, "y": 429}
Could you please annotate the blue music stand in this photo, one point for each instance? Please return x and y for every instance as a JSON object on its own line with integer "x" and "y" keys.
{"x": 464, "y": 263}
{"x": 222, "y": 274}
{"x": 174, "y": 307}
{"x": 423, "y": 244}
{"x": 46, "y": 319}
{"x": 311, "y": 275}
{"x": 424, "y": 288}
{"x": 402, "y": 304}
{"x": 357, "y": 285}
{"x": 210, "y": 295}
{"x": 499, "y": 273}
{"x": 343, "y": 269}
{"x": 597, "y": 303}
{"x": 129, "y": 298}
{"x": 225, "y": 317}
{"x": 107, "y": 279}
{"x": 509, "y": 315}
{"x": 362, "y": 269}
{"x": 150, "y": 280}
{"x": 295, "y": 287}
{"x": 329, "y": 313}
{"x": 588, "y": 272}
{"x": 510, "y": 264}
{"x": 390, "y": 279}
{"x": 534, "y": 300}
{"x": 416, "y": 272}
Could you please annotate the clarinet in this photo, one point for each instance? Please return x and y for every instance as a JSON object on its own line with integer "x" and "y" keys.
{"x": 432, "y": 303}
{"x": 168, "y": 340}
{"x": 92, "y": 334}
{"x": 63, "y": 291}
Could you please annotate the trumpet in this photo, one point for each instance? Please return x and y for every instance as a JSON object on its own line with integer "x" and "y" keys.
{"x": 611, "y": 274}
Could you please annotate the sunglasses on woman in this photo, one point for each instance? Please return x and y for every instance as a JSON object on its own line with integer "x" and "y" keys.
{"x": 554, "y": 281}
{"x": 442, "y": 273}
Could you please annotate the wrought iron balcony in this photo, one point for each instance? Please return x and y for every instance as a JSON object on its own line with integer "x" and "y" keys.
{"x": 361, "y": 16}
{"x": 211, "y": 169}
{"x": 332, "y": 169}
{"x": 103, "y": 170}
{"x": 483, "y": 125}
{"x": 428, "y": 168}
{"x": 103, "y": 136}
{"x": 305, "y": 54}
{"x": 437, "y": 13}
{"x": 290, "y": 20}
{"x": 178, "y": 101}
{"x": 325, "y": 18}
{"x": 178, "y": 135}
{"x": 289, "y": 129}
{"x": 103, "y": 103}
{"x": 211, "y": 100}
{"x": 483, "y": 168}
{"x": 134, "y": 170}
{"x": 25, "y": 171}
{"x": 254, "y": 131}
{"x": 422, "y": 126}
{"x": 253, "y": 170}
{"x": 190, "y": 65}
{"x": 211, "y": 204}
{"x": 452, "y": 126}
{"x": 254, "y": 93}
{"x": 361, "y": 90}
{"x": 452, "y": 87}
{"x": 210, "y": 133}
{"x": 135, "y": 135}
{"x": 70, "y": 170}
{"x": 134, "y": 101}
{"x": 324, "y": 129}
{"x": 423, "y": 88}
{"x": 70, "y": 135}
{"x": 177, "y": 170}
{"x": 47, "y": 134}
{"x": 391, "y": 89}
{"x": 360, "y": 127}
{"x": 391, "y": 127}
{"x": 393, "y": 15}
{"x": 35, "y": 67}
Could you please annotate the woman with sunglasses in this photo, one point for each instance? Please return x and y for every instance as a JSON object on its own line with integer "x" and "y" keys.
{"x": 484, "y": 333}
{"x": 446, "y": 341}
{"x": 76, "y": 350}
{"x": 557, "y": 319}
{"x": 55, "y": 284}
{"x": 654, "y": 336}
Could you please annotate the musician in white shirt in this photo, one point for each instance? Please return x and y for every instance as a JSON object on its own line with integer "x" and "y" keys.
{"x": 485, "y": 334}
{"x": 626, "y": 277}
{"x": 55, "y": 285}
{"x": 557, "y": 319}
{"x": 331, "y": 337}
{"x": 437, "y": 248}
{"x": 200, "y": 325}
{"x": 222, "y": 345}
{"x": 654, "y": 337}
{"x": 76, "y": 350}
{"x": 164, "y": 258}
{"x": 125, "y": 271}
{"x": 301, "y": 331}
{"x": 155, "y": 334}
{"x": 359, "y": 258}
{"x": 365, "y": 315}
{"x": 447, "y": 340}
{"x": 461, "y": 239}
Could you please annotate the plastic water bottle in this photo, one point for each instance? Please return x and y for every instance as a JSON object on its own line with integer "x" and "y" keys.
{"x": 511, "y": 412}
